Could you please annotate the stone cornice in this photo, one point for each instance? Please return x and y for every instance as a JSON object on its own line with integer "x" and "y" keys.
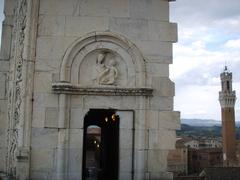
{"x": 68, "y": 88}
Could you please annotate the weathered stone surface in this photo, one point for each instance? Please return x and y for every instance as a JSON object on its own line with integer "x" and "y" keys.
{"x": 155, "y": 9}
{"x": 163, "y": 31}
{"x": 157, "y": 160}
{"x": 140, "y": 122}
{"x": 102, "y": 102}
{"x": 163, "y": 86}
{"x": 45, "y": 100}
{"x": 41, "y": 101}
{"x": 126, "y": 121}
{"x": 3, "y": 150}
{"x": 76, "y": 139}
{"x": 161, "y": 139}
{"x": 162, "y": 175}
{"x": 51, "y": 117}
{"x": 60, "y": 7}
{"x": 6, "y": 40}
{"x": 51, "y": 25}
{"x": 169, "y": 120}
{"x": 125, "y": 175}
{"x": 77, "y": 117}
{"x": 42, "y": 160}
{"x": 157, "y": 69}
{"x": 159, "y": 58}
{"x": 136, "y": 29}
{"x": 52, "y": 47}
{"x": 3, "y": 87}
{"x": 152, "y": 119}
{"x": 75, "y": 159}
{"x": 9, "y": 7}
{"x": 42, "y": 81}
{"x": 141, "y": 139}
{"x": 79, "y": 26}
{"x": 4, "y": 66}
{"x": 3, "y": 113}
{"x": 44, "y": 138}
{"x": 38, "y": 116}
{"x": 161, "y": 103}
{"x": 48, "y": 65}
{"x": 106, "y": 8}
{"x": 156, "y": 51}
{"x": 125, "y": 161}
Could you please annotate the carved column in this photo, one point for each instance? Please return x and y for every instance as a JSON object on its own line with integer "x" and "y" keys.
{"x": 21, "y": 88}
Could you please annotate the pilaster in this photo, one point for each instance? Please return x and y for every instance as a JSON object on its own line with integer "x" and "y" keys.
{"x": 21, "y": 87}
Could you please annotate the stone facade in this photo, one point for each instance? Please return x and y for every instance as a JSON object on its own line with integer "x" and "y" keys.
{"x": 60, "y": 59}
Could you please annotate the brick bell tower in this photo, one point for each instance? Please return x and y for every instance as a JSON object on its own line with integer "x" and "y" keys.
{"x": 227, "y": 98}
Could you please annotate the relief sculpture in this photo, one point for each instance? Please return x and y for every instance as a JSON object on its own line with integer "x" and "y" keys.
{"x": 106, "y": 73}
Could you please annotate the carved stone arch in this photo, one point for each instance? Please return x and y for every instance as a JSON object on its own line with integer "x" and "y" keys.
{"x": 106, "y": 41}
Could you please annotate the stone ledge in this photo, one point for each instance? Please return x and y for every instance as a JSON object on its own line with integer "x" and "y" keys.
{"x": 68, "y": 88}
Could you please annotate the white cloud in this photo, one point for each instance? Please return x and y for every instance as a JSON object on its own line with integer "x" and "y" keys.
{"x": 235, "y": 44}
{"x": 209, "y": 38}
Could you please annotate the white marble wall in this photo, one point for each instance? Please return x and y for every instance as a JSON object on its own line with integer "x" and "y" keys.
{"x": 146, "y": 24}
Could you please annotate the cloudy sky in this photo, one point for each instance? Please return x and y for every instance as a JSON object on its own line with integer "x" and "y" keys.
{"x": 209, "y": 38}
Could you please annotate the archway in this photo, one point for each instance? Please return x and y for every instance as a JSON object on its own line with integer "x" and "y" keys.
{"x": 101, "y": 145}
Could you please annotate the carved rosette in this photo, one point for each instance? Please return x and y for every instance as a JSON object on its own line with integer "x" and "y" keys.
{"x": 16, "y": 90}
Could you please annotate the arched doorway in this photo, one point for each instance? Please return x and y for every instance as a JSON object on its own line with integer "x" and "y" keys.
{"x": 101, "y": 145}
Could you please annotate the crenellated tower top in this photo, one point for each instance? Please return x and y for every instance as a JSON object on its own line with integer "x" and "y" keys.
{"x": 227, "y": 97}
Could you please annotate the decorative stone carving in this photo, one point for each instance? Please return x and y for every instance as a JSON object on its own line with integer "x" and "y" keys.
{"x": 80, "y": 61}
{"x": 16, "y": 89}
{"x": 67, "y": 88}
{"x": 99, "y": 67}
{"x": 106, "y": 74}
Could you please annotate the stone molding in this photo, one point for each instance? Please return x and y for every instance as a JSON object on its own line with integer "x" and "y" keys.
{"x": 68, "y": 88}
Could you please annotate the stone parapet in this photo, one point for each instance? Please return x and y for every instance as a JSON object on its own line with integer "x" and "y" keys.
{"x": 227, "y": 99}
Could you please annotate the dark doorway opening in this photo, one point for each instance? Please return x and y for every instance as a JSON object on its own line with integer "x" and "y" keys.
{"x": 101, "y": 145}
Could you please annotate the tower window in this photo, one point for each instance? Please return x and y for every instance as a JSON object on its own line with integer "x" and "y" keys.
{"x": 228, "y": 86}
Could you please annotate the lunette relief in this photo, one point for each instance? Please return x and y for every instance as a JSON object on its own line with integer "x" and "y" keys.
{"x": 106, "y": 73}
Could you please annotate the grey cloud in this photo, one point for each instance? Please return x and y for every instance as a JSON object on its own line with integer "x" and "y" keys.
{"x": 204, "y": 11}
{"x": 207, "y": 75}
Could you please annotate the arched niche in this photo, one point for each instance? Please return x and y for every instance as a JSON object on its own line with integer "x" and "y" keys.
{"x": 79, "y": 61}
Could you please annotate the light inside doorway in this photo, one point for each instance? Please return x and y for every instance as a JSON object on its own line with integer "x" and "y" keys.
{"x": 101, "y": 145}
{"x": 93, "y": 148}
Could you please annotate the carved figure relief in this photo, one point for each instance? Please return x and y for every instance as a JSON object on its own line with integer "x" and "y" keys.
{"x": 106, "y": 73}
{"x": 99, "y": 67}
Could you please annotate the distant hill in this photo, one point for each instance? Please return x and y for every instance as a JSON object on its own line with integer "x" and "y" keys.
{"x": 204, "y": 122}
{"x": 201, "y": 122}
{"x": 200, "y": 131}
{"x": 203, "y": 131}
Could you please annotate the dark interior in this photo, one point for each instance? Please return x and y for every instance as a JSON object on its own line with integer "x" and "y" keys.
{"x": 101, "y": 145}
